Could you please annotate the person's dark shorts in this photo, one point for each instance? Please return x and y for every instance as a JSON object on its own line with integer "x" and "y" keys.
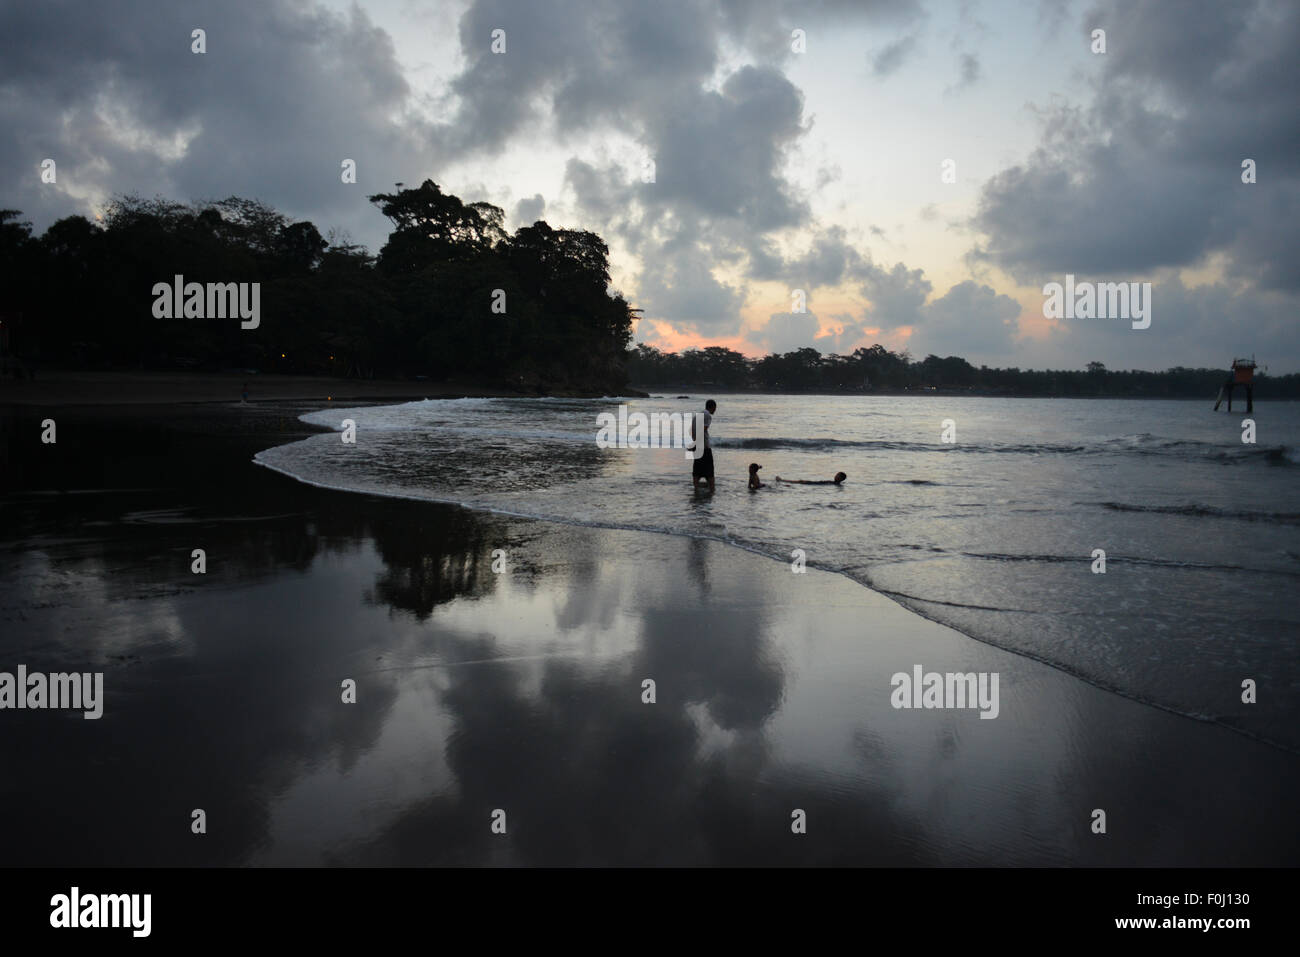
{"x": 703, "y": 467}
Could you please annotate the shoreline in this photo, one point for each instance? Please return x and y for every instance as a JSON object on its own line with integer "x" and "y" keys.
{"x": 668, "y": 392}
{"x": 75, "y": 388}
{"x": 86, "y": 388}
{"x": 1261, "y": 739}
{"x": 1096, "y": 683}
{"x": 800, "y": 667}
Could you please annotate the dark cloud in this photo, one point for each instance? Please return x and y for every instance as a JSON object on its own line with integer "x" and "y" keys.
{"x": 529, "y": 210}
{"x": 577, "y": 67}
{"x": 968, "y": 71}
{"x": 717, "y": 188}
{"x": 827, "y": 175}
{"x": 285, "y": 92}
{"x": 721, "y": 154}
{"x": 970, "y": 319}
{"x": 620, "y": 63}
{"x": 785, "y": 332}
{"x": 889, "y": 59}
{"x": 1191, "y": 326}
{"x": 601, "y": 193}
{"x": 716, "y": 169}
{"x": 896, "y": 295}
{"x": 829, "y": 260}
{"x": 1148, "y": 175}
{"x": 677, "y": 285}
{"x": 764, "y": 261}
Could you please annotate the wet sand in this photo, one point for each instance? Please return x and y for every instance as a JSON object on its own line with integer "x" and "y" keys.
{"x": 522, "y": 691}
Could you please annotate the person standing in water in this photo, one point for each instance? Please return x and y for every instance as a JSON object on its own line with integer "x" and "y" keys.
{"x": 703, "y": 466}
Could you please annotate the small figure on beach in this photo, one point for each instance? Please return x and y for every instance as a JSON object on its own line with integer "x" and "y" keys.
{"x": 703, "y": 466}
{"x": 245, "y": 398}
{"x": 754, "y": 483}
{"x": 839, "y": 479}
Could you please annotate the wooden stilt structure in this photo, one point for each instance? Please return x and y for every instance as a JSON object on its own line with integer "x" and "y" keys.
{"x": 1242, "y": 374}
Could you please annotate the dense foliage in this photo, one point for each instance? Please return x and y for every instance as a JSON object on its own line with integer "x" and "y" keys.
{"x": 81, "y": 294}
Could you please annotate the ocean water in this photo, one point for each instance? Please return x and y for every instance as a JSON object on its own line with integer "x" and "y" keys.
{"x": 993, "y": 534}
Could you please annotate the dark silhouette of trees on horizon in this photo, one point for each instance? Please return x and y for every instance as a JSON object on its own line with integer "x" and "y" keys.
{"x": 80, "y": 295}
{"x": 878, "y": 370}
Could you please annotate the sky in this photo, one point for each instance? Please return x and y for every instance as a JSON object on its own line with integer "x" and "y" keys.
{"x": 769, "y": 175}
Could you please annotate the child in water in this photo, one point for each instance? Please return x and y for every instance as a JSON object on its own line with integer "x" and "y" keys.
{"x": 754, "y": 483}
{"x": 839, "y": 478}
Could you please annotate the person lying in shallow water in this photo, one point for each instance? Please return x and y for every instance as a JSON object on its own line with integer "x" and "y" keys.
{"x": 839, "y": 478}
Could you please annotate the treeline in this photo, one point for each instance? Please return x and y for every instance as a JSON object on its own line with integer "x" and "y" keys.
{"x": 450, "y": 294}
{"x": 878, "y": 370}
